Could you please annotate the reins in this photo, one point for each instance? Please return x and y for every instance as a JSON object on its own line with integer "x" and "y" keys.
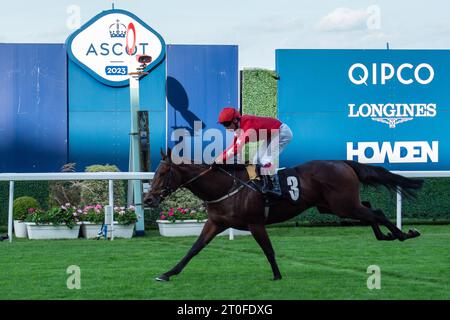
{"x": 168, "y": 189}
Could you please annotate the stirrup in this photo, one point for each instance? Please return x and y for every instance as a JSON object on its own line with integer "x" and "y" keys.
{"x": 267, "y": 189}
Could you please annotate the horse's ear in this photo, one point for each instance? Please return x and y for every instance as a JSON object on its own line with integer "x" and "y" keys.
{"x": 169, "y": 154}
{"x": 163, "y": 155}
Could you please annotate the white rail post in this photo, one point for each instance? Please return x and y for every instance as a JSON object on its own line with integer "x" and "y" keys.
{"x": 10, "y": 210}
{"x": 111, "y": 204}
{"x": 231, "y": 233}
{"x": 399, "y": 208}
{"x": 108, "y": 220}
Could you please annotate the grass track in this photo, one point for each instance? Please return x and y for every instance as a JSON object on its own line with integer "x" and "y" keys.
{"x": 316, "y": 263}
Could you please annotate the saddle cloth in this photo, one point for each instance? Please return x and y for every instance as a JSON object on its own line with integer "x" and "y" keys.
{"x": 290, "y": 184}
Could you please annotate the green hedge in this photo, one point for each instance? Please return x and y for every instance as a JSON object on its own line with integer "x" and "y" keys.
{"x": 431, "y": 205}
{"x": 259, "y": 92}
{"x": 36, "y": 189}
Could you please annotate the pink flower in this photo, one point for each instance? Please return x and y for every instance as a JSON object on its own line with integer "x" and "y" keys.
{"x": 98, "y": 206}
{"x": 31, "y": 210}
{"x": 170, "y": 214}
{"x": 163, "y": 217}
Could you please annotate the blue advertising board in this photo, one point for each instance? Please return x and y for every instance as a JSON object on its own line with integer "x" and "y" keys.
{"x": 382, "y": 107}
{"x": 33, "y": 114}
{"x": 99, "y": 118}
{"x": 201, "y": 80}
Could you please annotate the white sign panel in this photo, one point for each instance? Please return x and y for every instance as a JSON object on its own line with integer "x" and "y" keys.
{"x": 100, "y": 46}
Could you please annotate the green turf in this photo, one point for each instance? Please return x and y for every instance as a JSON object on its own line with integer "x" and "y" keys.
{"x": 316, "y": 263}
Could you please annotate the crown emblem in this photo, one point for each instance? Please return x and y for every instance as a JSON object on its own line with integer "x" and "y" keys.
{"x": 117, "y": 30}
{"x": 392, "y": 122}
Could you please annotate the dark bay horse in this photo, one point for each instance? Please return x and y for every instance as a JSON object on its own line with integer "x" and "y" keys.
{"x": 331, "y": 186}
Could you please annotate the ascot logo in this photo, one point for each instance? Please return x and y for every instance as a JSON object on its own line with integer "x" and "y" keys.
{"x": 100, "y": 46}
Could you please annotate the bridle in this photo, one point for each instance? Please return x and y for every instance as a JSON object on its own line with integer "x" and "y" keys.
{"x": 167, "y": 189}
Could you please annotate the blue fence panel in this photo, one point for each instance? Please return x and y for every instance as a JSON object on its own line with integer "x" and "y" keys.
{"x": 384, "y": 107}
{"x": 201, "y": 80}
{"x": 33, "y": 114}
{"x": 99, "y": 118}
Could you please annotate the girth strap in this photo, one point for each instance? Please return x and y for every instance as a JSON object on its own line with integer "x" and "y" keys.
{"x": 230, "y": 194}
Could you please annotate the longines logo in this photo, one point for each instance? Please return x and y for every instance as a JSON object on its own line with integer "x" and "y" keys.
{"x": 392, "y": 114}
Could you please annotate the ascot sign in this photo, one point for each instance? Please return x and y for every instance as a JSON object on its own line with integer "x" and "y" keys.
{"x": 100, "y": 46}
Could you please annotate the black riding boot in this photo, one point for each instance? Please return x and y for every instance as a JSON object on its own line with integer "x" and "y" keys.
{"x": 275, "y": 189}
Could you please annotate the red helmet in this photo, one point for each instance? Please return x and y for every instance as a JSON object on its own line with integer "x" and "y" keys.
{"x": 228, "y": 114}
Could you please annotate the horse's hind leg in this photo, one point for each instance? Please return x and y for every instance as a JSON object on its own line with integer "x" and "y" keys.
{"x": 399, "y": 234}
{"x": 210, "y": 230}
{"x": 380, "y": 235}
{"x": 376, "y": 228}
{"x": 376, "y": 217}
{"x": 260, "y": 234}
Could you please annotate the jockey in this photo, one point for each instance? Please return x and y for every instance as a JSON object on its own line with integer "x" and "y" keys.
{"x": 250, "y": 128}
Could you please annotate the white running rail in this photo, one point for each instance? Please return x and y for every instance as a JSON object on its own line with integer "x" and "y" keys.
{"x": 111, "y": 176}
{"x": 61, "y": 176}
{"x": 415, "y": 174}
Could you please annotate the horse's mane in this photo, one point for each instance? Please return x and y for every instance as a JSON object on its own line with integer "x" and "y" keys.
{"x": 224, "y": 166}
{"x": 232, "y": 167}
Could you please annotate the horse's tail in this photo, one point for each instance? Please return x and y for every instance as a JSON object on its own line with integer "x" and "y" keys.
{"x": 375, "y": 176}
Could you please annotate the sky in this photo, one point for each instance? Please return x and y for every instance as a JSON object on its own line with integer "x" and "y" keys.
{"x": 258, "y": 27}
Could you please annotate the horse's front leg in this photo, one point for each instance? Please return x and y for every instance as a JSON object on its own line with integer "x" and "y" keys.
{"x": 260, "y": 234}
{"x": 210, "y": 230}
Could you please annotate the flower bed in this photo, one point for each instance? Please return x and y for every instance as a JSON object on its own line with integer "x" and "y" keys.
{"x": 186, "y": 222}
{"x": 181, "y": 222}
{"x": 64, "y": 222}
{"x": 93, "y": 218}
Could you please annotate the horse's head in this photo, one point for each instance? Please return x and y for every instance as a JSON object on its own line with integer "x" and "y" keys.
{"x": 165, "y": 181}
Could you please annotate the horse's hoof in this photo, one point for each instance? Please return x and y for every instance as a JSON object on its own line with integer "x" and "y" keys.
{"x": 277, "y": 278}
{"x": 413, "y": 233}
{"x": 163, "y": 278}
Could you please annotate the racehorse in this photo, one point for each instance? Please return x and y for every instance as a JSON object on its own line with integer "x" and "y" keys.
{"x": 331, "y": 186}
